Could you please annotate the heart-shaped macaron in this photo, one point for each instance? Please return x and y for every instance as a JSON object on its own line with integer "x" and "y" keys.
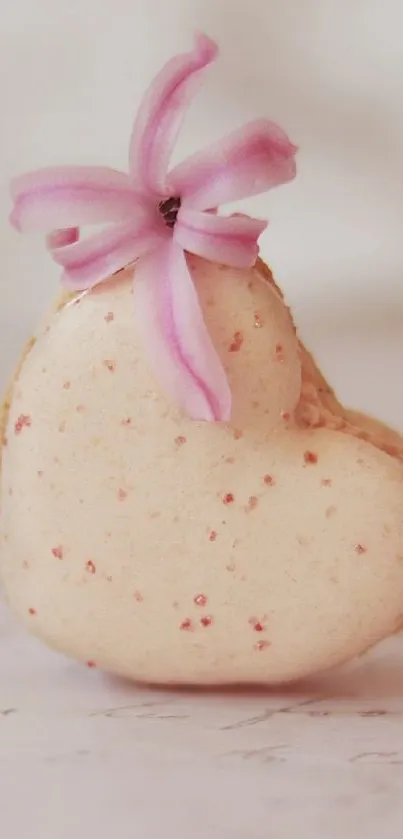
{"x": 172, "y": 550}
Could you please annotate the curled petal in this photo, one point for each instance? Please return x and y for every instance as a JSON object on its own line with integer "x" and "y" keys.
{"x": 63, "y": 237}
{"x": 230, "y": 241}
{"x": 175, "y": 337}
{"x": 161, "y": 114}
{"x": 249, "y": 161}
{"x": 69, "y": 196}
{"x": 93, "y": 260}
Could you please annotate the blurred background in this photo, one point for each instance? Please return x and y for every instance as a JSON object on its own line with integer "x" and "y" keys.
{"x": 329, "y": 71}
{"x": 81, "y": 755}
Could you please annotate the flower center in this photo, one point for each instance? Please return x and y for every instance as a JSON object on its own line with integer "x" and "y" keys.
{"x": 169, "y": 209}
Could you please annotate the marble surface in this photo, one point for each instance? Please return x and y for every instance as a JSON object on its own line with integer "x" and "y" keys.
{"x": 83, "y": 754}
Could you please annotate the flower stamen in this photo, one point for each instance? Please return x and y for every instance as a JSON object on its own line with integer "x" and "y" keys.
{"x": 169, "y": 209}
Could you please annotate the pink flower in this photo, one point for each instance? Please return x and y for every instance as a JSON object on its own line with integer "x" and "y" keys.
{"x": 154, "y": 217}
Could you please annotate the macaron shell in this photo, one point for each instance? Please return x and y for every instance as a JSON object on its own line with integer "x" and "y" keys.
{"x": 173, "y": 551}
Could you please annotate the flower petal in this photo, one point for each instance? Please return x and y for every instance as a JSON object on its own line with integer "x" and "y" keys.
{"x": 160, "y": 116}
{"x": 178, "y": 345}
{"x": 63, "y": 237}
{"x": 229, "y": 241}
{"x": 249, "y": 161}
{"x": 68, "y": 196}
{"x": 93, "y": 260}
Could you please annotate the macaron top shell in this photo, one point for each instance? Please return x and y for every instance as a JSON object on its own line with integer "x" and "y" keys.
{"x": 170, "y": 550}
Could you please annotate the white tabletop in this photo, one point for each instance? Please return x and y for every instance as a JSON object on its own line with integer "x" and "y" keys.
{"x": 82, "y": 754}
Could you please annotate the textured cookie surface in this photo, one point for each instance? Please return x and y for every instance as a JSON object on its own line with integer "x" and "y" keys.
{"x": 175, "y": 551}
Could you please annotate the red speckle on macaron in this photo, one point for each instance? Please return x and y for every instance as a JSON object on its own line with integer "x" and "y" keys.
{"x": 58, "y": 552}
{"x": 23, "y": 421}
{"x": 186, "y": 625}
{"x": 206, "y": 620}
{"x": 256, "y": 624}
{"x": 279, "y": 353}
{"x": 237, "y": 342}
{"x": 310, "y": 457}
{"x": 261, "y": 645}
{"x": 200, "y": 600}
{"x": 360, "y": 549}
{"x": 90, "y": 567}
